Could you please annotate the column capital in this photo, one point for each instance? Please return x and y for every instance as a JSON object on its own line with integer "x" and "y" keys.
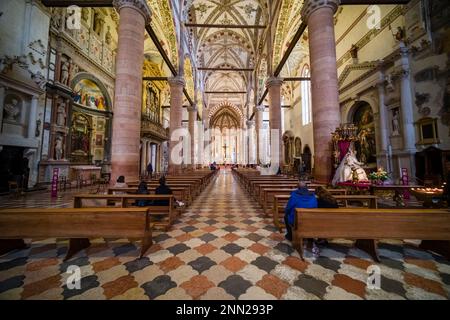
{"x": 274, "y": 81}
{"x": 312, "y": 5}
{"x": 192, "y": 108}
{"x": 139, "y": 5}
{"x": 260, "y": 108}
{"x": 176, "y": 81}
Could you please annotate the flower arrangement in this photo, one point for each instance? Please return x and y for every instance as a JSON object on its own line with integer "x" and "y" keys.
{"x": 379, "y": 175}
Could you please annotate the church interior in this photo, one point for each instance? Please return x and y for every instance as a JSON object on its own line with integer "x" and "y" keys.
{"x": 224, "y": 149}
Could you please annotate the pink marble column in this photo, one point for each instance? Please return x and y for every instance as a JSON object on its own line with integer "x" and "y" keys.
{"x": 192, "y": 121}
{"x": 134, "y": 15}
{"x": 324, "y": 82}
{"x": 274, "y": 87}
{"x": 259, "y": 126}
{"x": 176, "y": 116}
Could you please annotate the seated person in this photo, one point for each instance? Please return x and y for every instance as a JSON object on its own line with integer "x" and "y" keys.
{"x": 325, "y": 199}
{"x": 120, "y": 183}
{"x": 300, "y": 198}
{"x": 162, "y": 189}
{"x": 142, "y": 189}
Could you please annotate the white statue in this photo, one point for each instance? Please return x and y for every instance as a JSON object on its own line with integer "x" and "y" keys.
{"x": 65, "y": 72}
{"x": 58, "y": 148}
{"x": 395, "y": 124}
{"x": 349, "y": 165}
{"x": 61, "y": 115}
{"x": 12, "y": 110}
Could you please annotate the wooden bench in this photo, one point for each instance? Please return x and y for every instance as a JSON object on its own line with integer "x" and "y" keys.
{"x": 77, "y": 224}
{"x": 180, "y": 193}
{"x": 127, "y": 200}
{"x": 280, "y": 201}
{"x": 267, "y": 196}
{"x": 367, "y": 226}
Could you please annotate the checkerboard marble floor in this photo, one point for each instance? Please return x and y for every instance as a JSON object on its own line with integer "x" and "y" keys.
{"x": 220, "y": 248}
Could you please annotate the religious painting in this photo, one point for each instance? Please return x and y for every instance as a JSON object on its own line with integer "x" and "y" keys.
{"x": 88, "y": 94}
{"x": 298, "y": 147}
{"x": 81, "y": 131}
{"x": 365, "y": 145}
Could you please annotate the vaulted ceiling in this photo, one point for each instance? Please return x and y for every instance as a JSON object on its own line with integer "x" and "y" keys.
{"x": 226, "y": 47}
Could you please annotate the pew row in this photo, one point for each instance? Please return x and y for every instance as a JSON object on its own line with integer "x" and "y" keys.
{"x": 77, "y": 224}
{"x": 161, "y": 216}
{"x": 366, "y": 226}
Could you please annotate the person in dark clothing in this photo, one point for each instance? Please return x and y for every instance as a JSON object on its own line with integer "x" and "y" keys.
{"x": 150, "y": 170}
{"x": 279, "y": 173}
{"x": 325, "y": 199}
{"x": 300, "y": 198}
{"x": 142, "y": 189}
{"x": 162, "y": 189}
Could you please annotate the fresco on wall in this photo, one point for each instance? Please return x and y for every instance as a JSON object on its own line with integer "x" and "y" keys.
{"x": 88, "y": 94}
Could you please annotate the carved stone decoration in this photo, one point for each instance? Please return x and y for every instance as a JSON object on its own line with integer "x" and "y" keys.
{"x": 6, "y": 62}
{"x": 39, "y": 79}
{"x": 444, "y": 113}
{"x": 312, "y": 5}
{"x": 12, "y": 108}
{"x": 65, "y": 66}
{"x": 421, "y": 99}
{"x": 140, "y": 5}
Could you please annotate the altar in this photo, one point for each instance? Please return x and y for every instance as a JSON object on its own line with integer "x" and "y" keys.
{"x": 84, "y": 173}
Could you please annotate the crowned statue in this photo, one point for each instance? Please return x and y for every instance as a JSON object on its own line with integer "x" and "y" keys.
{"x": 350, "y": 169}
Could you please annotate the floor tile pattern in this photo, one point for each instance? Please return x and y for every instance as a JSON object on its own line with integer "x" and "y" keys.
{"x": 222, "y": 247}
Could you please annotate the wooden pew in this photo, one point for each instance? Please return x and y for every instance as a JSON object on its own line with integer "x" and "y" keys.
{"x": 180, "y": 193}
{"x": 190, "y": 189}
{"x": 77, "y": 224}
{"x": 267, "y": 195}
{"x": 280, "y": 201}
{"x": 127, "y": 200}
{"x": 432, "y": 226}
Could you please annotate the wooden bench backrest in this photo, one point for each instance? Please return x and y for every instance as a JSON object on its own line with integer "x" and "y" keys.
{"x": 365, "y": 223}
{"x": 73, "y": 222}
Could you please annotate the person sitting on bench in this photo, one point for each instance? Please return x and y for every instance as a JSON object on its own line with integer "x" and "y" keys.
{"x": 120, "y": 183}
{"x": 142, "y": 189}
{"x": 162, "y": 189}
{"x": 325, "y": 199}
{"x": 300, "y": 198}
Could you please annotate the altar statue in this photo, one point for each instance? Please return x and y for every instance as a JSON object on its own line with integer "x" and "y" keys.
{"x": 350, "y": 169}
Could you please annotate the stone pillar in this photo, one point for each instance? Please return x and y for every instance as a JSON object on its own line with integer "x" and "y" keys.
{"x": 407, "y": 111}
{"x": 383, "y": 151}
{"x": 143, "y": 167}
{"x": 192, "y": 122}
{"x": 259, "y": 126}
{"x": 324, "y": 82}
{"x": 250, "y": 142}
{"x": 176, "y": 116}
{"x": 32, "y": 118}
{"x": 134, "y": 16}
{"x": 274, "y": 87}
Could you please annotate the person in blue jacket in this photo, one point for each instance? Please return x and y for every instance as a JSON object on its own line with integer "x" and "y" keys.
{"x": 300, "y": 198}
